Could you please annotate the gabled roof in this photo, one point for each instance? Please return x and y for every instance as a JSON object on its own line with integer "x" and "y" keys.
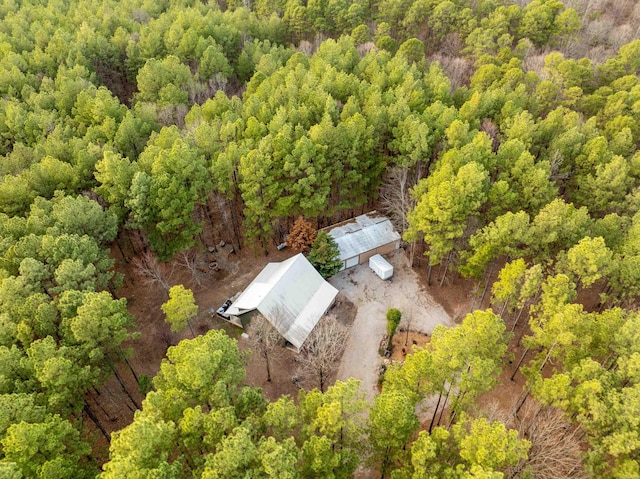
{"x": 363, "y": 233}
{"x": 291, "y": 295}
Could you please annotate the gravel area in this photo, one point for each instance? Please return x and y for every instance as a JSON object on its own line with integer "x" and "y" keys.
{"x": 373, "y": 297}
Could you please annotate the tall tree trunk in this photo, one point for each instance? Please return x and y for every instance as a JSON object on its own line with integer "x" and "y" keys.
{"x": 446, "y": 267}
{"x": 406, "y": 338}
{"x": 515, "y": 321}
{"x": 385, "y": 463}
{"x": 95, "y": 420}
{"x": 131, "y": 242}
{"x": 95, "y": 400}
{"x": 456, "y": 400}
{"x": 522, "y": 401}
{"x": 143, "y": 241}
{"x": 412, "y": 250}
{"x": 124, "y": 257}
{"x": 444, "y": 405}
{"x": 546, "y": 358}
{"x": 611, "y": 360}
{"x": 266, "y": 360}
{"x": 133, "y": 373}
{"x": 519, "y": 363}
{"x": 521, "y": 336}
{"x": 429, "y": 269}
{"x": 486, "y": 286}
{"x": 504, "y": 305}
{"x": 207, "y": 212}
{"x": 193, "y": 333}
{"x": 126, "y": 403}
{"x": 221, "y": 203}
{"x": 124, "y": 387}
{"x": 433, "y": 418}
{"x": 234, "y": 222}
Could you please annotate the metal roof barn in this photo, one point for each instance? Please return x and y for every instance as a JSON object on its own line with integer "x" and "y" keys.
{"x": 291, "y": 295}
{"x": 362, "y": 237}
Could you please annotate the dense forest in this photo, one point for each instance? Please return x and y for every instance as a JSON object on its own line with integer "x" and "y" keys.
{"x": 501, "y": 138}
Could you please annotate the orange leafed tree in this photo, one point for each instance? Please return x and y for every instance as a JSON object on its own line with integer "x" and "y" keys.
{"x": 301, "y": 236}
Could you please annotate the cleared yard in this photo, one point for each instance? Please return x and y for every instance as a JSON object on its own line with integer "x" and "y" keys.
{"x": 373, "y": 297}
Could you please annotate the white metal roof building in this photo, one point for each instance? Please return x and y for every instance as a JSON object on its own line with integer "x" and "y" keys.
{"x": 291, "y": 295}
{"x": 364, "y": 236}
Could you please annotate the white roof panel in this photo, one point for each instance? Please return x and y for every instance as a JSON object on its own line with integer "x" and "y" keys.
{"x": 295, "y": 324}
{"x": 291, "y": 295}
{"x": 259, "y": 288}
{"x": 364, "y": 233}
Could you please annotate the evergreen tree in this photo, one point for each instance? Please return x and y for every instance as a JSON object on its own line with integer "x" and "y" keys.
{"x": 325, "y": 255}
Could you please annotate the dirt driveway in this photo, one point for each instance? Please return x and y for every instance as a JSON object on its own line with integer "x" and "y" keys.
{"x": 373, "y": 297}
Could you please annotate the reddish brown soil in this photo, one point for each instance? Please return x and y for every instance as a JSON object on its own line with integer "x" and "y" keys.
{"x": 111, "y": 404}
{"x": 113, "y": 407}
{"x": 458, "y": 296}
{"x": 404, "y": 343}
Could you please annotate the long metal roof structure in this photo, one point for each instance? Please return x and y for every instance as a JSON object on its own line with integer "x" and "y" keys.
{"x": 364, "y": 233}
{"x": 291, "y": 295}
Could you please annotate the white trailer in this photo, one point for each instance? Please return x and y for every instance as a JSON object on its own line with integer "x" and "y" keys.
{"x": 381, "y": 266}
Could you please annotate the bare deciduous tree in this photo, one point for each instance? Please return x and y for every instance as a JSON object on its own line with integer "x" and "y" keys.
{"x": 522, "y": 3}
{"x": 366, "y": 48}
{"x": 493, "y": 411}
{"x": 152, "y": 271}
{"x": 267, "y": 340}
{"x": 621, "y": 35}
{"x": 491, "y": 129}
{"x": 306, "y": 47}
{"x": 534, "y": 62}
{"x": 555, "y": 446}
{"x": 457, "y": 68}
{"x": 189, "y": 261}
{"x": 322, "y": 350}
{"x": 395, "y": 196}
{"x": 597, "y": 32}
{"x": 173, "y": 115}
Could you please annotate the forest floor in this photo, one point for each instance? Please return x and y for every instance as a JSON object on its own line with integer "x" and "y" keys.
{"x": 235, "y": 271}
{"x": 361, "y": 304}
{"x": 459, "y": 296}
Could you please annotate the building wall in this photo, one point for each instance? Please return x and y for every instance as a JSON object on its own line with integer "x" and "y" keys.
{"x": 243, "y": 320}
{"x": 351, "y": 262}
{"x": 235, "y": 320}
{"x": 384, "y": 249}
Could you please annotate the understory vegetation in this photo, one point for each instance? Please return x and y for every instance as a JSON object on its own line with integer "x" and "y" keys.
{"x": 501, "y": 138}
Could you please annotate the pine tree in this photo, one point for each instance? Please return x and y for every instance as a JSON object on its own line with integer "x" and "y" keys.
{"x": 301, "y": 236}
{"x": 325, "y": 255}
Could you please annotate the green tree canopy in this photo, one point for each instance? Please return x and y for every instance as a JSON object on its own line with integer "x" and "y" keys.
{"x": 325, "y": 255}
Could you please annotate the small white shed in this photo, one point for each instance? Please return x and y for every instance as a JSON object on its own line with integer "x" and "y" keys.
{"x": 381, "y": 266}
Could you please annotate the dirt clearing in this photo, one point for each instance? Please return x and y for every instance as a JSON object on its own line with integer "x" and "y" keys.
{"x": 373, "y": 297}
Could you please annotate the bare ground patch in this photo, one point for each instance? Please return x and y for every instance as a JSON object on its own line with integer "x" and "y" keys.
{"x": 373, "y": 297}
